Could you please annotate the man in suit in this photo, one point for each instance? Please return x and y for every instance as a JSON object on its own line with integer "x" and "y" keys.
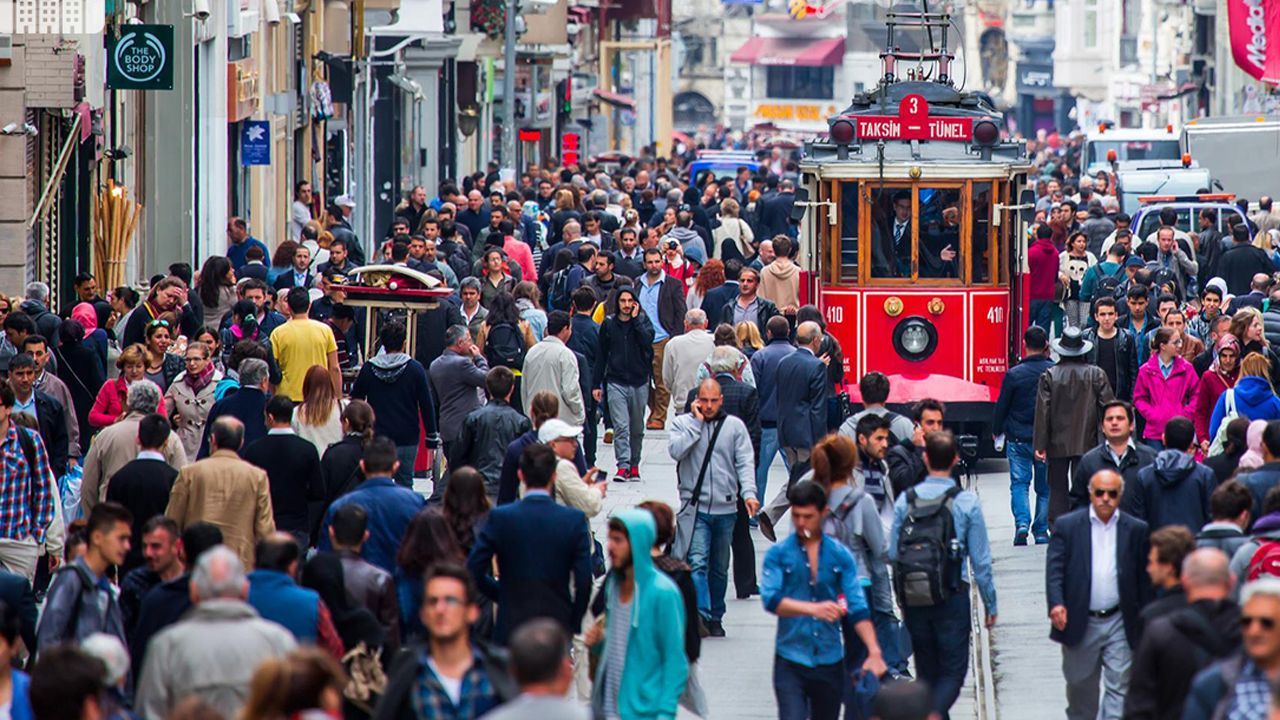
{"x": 539, "y": 545}
{"x": 775, "y": 211}
{"x": 300, "y": 274}
{"x": 226, "y": 491}
{"x": 802, "y": 411}
{"x": 293, "y": 470}
{"x": 248, "y": 404}
{"x": 1258, "y": 287}
{"x": 716, "y": 298}
{"x": 1095, "y": 615}
{"x": 143, "y": 485}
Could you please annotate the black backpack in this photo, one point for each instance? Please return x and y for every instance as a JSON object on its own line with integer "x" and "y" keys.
{"x": 927, "y": 571}
{"x": 559, "y": 296}
{"x": 1108, "y": 285}
{"x": 504, "y": 346}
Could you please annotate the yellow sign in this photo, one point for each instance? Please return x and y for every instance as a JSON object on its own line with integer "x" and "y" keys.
{"x": 794, "y": 111}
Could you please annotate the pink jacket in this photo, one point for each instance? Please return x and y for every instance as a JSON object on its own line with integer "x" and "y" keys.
{"x": 1158, "y": 400}
{"x": 110, "y": 403}
{"x": 520, "y": 254}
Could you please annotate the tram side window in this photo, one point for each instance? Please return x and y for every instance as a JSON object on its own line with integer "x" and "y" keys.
{"x": 891, "y": 232}
{"x": 985, "y": 236}
{"x": 940, "y": 217}
{"x": 848, "y": 247}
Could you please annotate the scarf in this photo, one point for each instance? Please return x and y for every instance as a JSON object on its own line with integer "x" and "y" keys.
{"x": 1226, "y": 341}
{"x": 198, "y": 382}
{"x": 84, "y": 314}
{"x": 237, "y": 332}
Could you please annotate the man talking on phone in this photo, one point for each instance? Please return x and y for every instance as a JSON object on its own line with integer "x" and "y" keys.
{"x": 716, "y": 469}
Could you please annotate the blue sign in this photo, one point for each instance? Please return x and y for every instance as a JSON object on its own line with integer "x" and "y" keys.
{"x": 255, "y": 142}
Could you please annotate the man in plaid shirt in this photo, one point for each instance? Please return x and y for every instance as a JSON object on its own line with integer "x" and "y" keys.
{"x": 450, "y": 678}
{"x": 26, "y": 495}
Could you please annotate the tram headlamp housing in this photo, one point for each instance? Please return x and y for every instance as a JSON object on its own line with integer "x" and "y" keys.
{"x": 841, "y": 132}
{"x": 915, "y": 338}
{"x": 986, "y": 132}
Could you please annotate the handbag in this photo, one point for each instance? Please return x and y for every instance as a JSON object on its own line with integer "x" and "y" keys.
{"x": 688, "y": 512}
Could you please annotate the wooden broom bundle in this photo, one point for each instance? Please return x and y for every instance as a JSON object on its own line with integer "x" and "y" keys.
{"x": 115, "y": 220}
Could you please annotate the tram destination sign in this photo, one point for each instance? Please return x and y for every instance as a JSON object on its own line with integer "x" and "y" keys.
{"x": 141, "y": 58}
{"x": 912, "y": 123}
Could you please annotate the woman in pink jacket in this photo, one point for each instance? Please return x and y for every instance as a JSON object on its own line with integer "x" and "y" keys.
{"x": 1166, "y": 386}
{"x": 109, "y": 405}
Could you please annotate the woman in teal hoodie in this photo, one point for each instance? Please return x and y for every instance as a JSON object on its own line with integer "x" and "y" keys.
{"x": 644, "y": 622}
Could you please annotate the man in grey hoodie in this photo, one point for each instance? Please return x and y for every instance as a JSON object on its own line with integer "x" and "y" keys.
{"x": 684, "y": 232}
{"x": 709, "y": 491}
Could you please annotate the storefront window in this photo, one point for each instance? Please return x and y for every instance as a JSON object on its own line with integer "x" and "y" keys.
{"x": 800, "y": 83}
{"x": 984, "y": 240}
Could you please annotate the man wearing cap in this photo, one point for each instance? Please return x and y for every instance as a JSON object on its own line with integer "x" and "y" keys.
{"x": 572, "y": 489}
{"x": 550, "y": 365}
{"x": 1069, "y": 400}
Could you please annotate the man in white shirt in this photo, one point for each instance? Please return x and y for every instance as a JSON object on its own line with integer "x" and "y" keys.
{"x": 1096, "y": 586}
{"x": 300, "y": 214}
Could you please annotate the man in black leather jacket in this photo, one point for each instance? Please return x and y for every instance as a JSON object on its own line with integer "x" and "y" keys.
{"x": 489, "y": 429}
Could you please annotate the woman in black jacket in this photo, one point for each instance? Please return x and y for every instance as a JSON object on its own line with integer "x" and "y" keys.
{"x": 81, "y": 370}
{"x": 340, "y": 464}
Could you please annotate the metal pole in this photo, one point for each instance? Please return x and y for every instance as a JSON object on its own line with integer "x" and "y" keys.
{"x": 509, "y": 93}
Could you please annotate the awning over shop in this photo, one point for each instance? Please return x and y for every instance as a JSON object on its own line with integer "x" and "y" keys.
{"x": 803, "y": 52}
{"x": 615, "y": 99}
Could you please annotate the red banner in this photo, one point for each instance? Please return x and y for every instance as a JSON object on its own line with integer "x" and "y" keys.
{"x": 1249, "y": 21}
{"x": 913, "y": 123}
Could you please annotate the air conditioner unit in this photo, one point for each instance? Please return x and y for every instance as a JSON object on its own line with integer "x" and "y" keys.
{"x": 242, "y": 17}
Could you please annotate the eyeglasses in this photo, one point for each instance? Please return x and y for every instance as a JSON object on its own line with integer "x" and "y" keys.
{"x": 1266, "y": 622}
{"x": 448, "y": 600}
{"x": 1100, "y": 492}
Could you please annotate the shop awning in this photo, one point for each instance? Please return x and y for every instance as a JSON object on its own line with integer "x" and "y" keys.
{"x": 615, "y": 99}
{"x": 802, "y": 52}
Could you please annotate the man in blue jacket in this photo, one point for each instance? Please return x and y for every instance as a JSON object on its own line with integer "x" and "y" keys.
{"x": 764, "y": 365}
{"x": 1014, "y": 418}
{"x": 802, "y": 410}
{"x": 276, "y": 595}
{"x": 397, "y": 388}
{"x": 1175, "y": 489}
{"x": 390, "y": 506}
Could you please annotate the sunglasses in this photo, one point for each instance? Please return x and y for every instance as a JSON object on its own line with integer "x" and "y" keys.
{"x": 159, "y": 323}
{"x": 1099, "y": 492}
{"x": 1266, "y": 622}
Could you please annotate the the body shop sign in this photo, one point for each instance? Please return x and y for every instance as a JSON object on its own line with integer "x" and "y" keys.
{"x": 141, "y": 58}
{"x": 1255, "y": 25}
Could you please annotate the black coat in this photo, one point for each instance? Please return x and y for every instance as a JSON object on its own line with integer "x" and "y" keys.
{"x": 540, "y": 546}
{"x": 1239, "y": 263}
{"x": 775, "y": 215}
{"x": 802, "y": 400}
{"x": 16, "y": 592}
{"x": 671, "y": 304}
{"x": 766, "y": 312}
{"x": 246, "y": 405}
{"x": 1126, "y": 361}
{"x": 285, "y": 281}
{"x": 53, "y": 431}
{"x": 162, "y": 606}
{"x": 486, "y": 433}
{"x": 1099, "y": 458}
{"x": 626, "y": 352}
{"x": 431, "y": 327}
{"x": 142, "y": 486}
{"x": 1070, "y": 556}
{"x": 80, "y": 369}
{"x": 293, "y": 471}
{"x": 740, "y": 401}
{"x": 716, "y": 298}
{"x": 397, "y": 701}
{"x": 1173, "y": 649}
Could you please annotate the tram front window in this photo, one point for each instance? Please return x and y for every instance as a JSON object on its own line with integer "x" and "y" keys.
{"x": 894, "y": 231}
{"x": 981, "y": 242}
{"x": 848, "y": 271}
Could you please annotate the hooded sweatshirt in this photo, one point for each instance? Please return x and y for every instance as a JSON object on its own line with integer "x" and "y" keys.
{"x": 396, "y": 386}
{"x": 1174, "y": 490}
{"x": 1254, "y": 400}
{"x": 688, "y": 238}
{"x": 780, "y": 282}
{"x": 656, "y": 666}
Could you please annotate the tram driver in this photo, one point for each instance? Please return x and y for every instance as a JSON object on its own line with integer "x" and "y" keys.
{"x": 892, "y": 237}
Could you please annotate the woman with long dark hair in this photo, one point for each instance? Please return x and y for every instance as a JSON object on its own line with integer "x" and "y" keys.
{"x": 466, "y": 506}
{"x": 217, "y": 288}
{"x": 340, "y": 464}
{"x": 428, "y": 540}
{"x": 503, "y": 311}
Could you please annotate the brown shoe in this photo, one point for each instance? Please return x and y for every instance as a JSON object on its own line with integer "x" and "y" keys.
{"x": 651, "y": 425}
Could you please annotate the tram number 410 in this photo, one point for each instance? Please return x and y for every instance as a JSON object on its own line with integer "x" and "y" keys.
{"x": 835, "y": 314}
{"x": 995, "y": 315}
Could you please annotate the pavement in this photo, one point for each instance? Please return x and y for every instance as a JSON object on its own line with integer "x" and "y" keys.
{"x": 736, "y": 671}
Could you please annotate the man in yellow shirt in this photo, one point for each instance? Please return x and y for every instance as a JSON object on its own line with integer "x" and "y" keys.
{"x": 301, "y": 343}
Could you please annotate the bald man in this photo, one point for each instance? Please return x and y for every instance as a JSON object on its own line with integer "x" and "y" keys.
{"x": 1177, "y": 646}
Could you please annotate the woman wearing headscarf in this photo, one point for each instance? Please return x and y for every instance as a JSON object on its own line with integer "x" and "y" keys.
{"x": 1220, "y": 377}
{"x": 95, "y": 337}
{"x": 80, "y": 369}
{"x": 1252, "y": 458}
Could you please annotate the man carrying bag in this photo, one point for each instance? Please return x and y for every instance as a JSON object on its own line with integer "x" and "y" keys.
{"x": 715, "y": 470}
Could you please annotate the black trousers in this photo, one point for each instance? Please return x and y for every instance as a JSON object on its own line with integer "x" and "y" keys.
{"x": 589, "y": 431}
{"x": 744, "y": 555}
{"x": 1060, "y": 470}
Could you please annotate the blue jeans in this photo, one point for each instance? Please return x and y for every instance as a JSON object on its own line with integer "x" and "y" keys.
{"x": 889, "y": 634}
{"x": 1023, "y": 470}
{"x": 940, "y": 637}
{"x": 408, "y": 456}
{"x": 1042, "y": 314}
{"x": 808, "y": 693}
{"x": 709, "y": 558}
{"x": 627, "y": 406}
{"x": 768, "y": 449}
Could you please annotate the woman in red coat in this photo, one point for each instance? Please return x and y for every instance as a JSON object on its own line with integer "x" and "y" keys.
{"x": 1220, "y": 377}
{"x": 109, "y": 406}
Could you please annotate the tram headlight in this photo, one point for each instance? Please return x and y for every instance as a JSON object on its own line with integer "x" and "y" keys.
{"x": 986, "y": 132}
{"x": 915, "y": 338}
{"x": 841, "y": 132}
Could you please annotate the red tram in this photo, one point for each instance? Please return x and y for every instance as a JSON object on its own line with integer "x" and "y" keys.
{"x": 912, "y": 236}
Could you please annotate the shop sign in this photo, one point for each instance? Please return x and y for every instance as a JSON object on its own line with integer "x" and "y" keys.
{"x": 141, "y": 58}
{"x": 569, "y": 145}
{"x": 255, "y": 142}
{"x": 913, "y": 123}
{"x": 1254, "y": 41}
{"x": 1035, "y": 77}
{"x": 795, "y": 111}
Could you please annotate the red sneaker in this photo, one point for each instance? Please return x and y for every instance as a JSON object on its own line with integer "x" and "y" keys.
{"x": 635, "y": 474}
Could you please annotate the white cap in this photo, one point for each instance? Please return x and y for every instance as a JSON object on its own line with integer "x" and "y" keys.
{"x": 555, "y": 428}
{"x": 345, "y": 201}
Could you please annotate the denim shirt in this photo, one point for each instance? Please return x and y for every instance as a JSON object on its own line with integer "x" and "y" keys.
{"x": 805, "y": 640}
{"x": 971, "y": 532}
